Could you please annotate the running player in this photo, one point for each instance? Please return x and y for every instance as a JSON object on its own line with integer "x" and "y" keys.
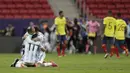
{"x": 92, "y": 28}
{"x": 109, "y": 29}
{"x": 120, "y": 36}
{"x": 60, "y": 23}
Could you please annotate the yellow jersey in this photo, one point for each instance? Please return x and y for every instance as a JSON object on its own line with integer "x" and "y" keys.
{"x": 60, "y": 25}
{"x": 120, "y": 29}
{"x": 109, "y": 23}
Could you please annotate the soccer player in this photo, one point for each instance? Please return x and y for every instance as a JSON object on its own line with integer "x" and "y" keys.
{"x": 92, "y": 29}
{"x": 120, "y": 36}
{"x": 30, "y": 57}
{"x": 109, "y": 29}
{"x": 60, "y": 23}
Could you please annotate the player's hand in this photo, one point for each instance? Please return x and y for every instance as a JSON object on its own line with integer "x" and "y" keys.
{"x": 43, "y": 49}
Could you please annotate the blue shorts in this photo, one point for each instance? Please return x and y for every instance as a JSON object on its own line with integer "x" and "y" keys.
{"x": 61, "y": 38}
{"x": 107, "y": 40}
{"x": 119, "y": 43}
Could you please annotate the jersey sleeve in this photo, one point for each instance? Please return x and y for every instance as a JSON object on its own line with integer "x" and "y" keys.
{"x": 104, "y": 21}
{"x": 56, "y": 21}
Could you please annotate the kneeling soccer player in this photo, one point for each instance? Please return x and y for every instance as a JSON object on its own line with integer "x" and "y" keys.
{"x": 30, "y": 57}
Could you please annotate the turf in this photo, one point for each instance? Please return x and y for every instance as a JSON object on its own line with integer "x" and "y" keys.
{"x": 78, "y": 63}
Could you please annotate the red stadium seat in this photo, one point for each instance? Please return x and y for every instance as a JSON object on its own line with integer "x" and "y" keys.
{"x": 120, "y": 6}
{"x": 20, "y": 5}
{"x": 111, "y": 6}
{"x": 11, "y": 6}
{"x": 114, "y": 11}
{"x": 93, "y": 6}
{"x": 9, "y": 16}
{"x": 35, "y": 16}
{"x": 17, "y": 16}
{"x": 91, "y": 1}
{"x": 25, "y": 8}
{"x": 124, "y": 11}
{"x": 31, "y": 11}
{"x": 5, "y": 11}
{"x": 26, "y": 16}
{"x": 29, "y": 6}
{"x": 125, "y": 1}
{"x": 3, "y": 6}
{"x": 2, "y": 16}
{"x": 102, "y": 6}
{"x": 23, "y": 11}
{"x": 107, "y": 1}
{"x": 127, "y": 5}
{"x": 117, "y": 1}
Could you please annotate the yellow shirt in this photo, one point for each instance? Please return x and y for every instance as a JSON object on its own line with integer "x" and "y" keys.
{"x": 109, "y": 23}
{"x": 120, "y": 29}
{"x": 60, "y": 25}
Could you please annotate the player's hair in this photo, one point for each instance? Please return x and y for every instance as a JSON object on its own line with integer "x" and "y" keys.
{"x": 119, "y": 14}
{"x": 37, "y": 29}
{"x": 75, "y": 21}
{"x": 34, "y": 36}
{"x": 110, "y": 12}
{"x": 29, "y": 30}
{"x": 60, "y": 12}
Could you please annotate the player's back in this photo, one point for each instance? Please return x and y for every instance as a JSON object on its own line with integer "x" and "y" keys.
{"x": 31, "y": 49}
{"x": 109, "y": 23}
{"x": 120, "y": 29}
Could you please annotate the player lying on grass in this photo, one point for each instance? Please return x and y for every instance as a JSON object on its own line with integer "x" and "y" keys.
{"x": 32, "y": 56}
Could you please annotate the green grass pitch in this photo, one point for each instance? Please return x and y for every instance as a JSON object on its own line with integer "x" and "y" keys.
{"x": 78, "y": 63}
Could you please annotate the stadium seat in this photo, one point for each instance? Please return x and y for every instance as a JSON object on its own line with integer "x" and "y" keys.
{"x": 2, "y": 16}
{"x": 124, "y": 11}
{"x": 24, "y": 8}
{"x": 8, "y": 16}
{"x": 125, "y": 1}
{"x": 117, "y": 1}
{"x": 127, "y": 6}
{"x": 111, "y": 7}
{"x": 102, "y": 6}
{"x": 120, "y": 6}
{"x": 17, "y": 16}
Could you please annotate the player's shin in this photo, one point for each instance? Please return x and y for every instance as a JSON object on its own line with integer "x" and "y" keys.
{"x": 104, "y": 48}
{"x": 58, "y": 50}
{"x": 63, "y": 49}
{"x": 117, "y": 52}
{"x": 125, "y": 49}
{"x": 87, "y": 48}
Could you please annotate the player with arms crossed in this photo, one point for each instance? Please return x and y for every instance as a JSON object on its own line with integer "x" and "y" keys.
{"x": 60, "y": 23}
{"x": 109, "y": 29}
{"x": 120, "y": 29}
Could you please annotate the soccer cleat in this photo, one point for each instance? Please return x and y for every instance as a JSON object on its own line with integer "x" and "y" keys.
{"x": 54, "y": 64}
{"x": 59, "y": 56}
{"x": 14, "y": 63}
{"x": 106, "y": 55}
{"x": 89, "y": 52}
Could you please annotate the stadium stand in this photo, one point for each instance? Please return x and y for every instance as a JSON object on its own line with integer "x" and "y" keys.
{"x": 25, "y": 9}
{"x": 99, "y": 8}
